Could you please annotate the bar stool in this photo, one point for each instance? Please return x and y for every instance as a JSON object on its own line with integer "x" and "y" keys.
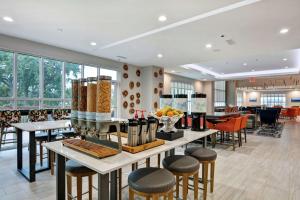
{"x": 151, "y": 182}
{"x": 183, "y": 166}
{"x": 74, "y": 169}
{"x": 205, "y": 157}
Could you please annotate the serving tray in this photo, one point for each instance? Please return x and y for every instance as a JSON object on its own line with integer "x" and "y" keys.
{"x": 143, "y": 147}
{"x": 90, "y": 148}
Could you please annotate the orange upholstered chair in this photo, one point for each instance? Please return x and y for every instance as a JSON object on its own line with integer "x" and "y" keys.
{"x": 209, "y": 125}
{"x": 244, "y": 126}
{"x": 290, "y": 113}
{"x": 231, "y": 126}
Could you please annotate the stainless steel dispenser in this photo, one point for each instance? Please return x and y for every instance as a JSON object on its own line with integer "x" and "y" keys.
{"x": 133, "y": 133}
{"x": 152, "y": 128}
{"x": 143, "y": 134}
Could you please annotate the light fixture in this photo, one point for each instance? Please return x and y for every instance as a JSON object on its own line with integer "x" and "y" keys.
{"x": 284, "y": 31}
{"x": 205, "y": 79}
{"x": 285, "y": 59}
{"x": 210, "y": 68}
{"x": 286, "y": 67}
{"x": 222, "y": 73}
{"x": 162, "y": 18}
{"x": 245, "y": 64}
{"x": 8, "y": 19}
{"x": 93, "y": 43}
{"x": 253, "y": 70}
{"x": 160, "y": 55}
{"x": 173, "y": 71}
{"x": 208, "y": 46}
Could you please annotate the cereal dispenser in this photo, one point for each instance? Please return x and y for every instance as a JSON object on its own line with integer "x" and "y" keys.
{"x": 199, "y": 106}
{"x": 180, "y": 102}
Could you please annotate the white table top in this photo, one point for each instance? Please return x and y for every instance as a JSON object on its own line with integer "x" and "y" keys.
{"x": 106, "y": 165}
{"x": 40, "y": 126}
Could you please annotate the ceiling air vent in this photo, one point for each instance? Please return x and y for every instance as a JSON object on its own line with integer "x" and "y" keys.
{"x": 230, "y": 42}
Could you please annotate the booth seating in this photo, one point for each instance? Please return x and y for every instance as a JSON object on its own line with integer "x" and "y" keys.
{"x": 74, "y": 169}
{"x": 6, "y": 118}
{"x": 183, "y": 166}
{"x": 231, "y": 127}
{"x": 151, "y": 182}
{"x": 205, "y": 157}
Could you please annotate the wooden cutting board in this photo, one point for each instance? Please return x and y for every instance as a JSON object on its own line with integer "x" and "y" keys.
{"x": 90, "y": 148}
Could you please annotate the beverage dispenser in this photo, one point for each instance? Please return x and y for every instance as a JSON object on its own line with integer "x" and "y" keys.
{"x": 180, "y": 102}
{"x": 198, "y": 108}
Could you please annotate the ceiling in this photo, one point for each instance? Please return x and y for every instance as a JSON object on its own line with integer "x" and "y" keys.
{"x": 130, "y": 28}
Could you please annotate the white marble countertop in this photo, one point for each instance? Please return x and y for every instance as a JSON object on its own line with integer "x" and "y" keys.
{"x": 122, "y": 159}
{"x": 40, "y": 126}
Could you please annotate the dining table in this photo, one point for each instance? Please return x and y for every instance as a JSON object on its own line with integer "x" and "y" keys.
{"x": 32, "y": 127}
{"x": 221, "y": 115}
{"x": 107, "y": 168}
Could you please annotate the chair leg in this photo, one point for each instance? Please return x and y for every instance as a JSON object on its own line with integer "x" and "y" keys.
{"x": 69, "y": 187}
{"x": 233, "y": 142}
{"x": 90, "y": 187}
{"x": 196, "y": 177}
{"x": 185, "y": 187}
{"x": 41, "y": 153}
{"x": 177, "y": 187}
{"x": 131, "y": 194}
{"x": 245, "y": 134}
{"x": 240, "y": 138}
{"x": 212, "y": 176}
{"x": 79, "y": 188}
{"x": 205, "y": 167}
{"x": 52, "y": 159}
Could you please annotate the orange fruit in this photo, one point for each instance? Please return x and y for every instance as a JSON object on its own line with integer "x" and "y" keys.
{"x": 159, "y": 113}
{"x": 170, "y": 114}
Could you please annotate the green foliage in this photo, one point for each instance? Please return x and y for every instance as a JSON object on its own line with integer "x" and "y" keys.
{"x": 6, "y": 74}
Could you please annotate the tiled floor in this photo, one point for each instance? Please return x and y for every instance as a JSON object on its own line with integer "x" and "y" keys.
{"x": 265, "y": 168}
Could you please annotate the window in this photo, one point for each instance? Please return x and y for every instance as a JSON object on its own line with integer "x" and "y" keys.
{"x": 6, "y": 74}
{"x": 108, "y": 72}
{"x": 183, "y": 88}
{"x": 52, "y": 78}
{"x": 28, "y": 76}
{"x": 72, "y": 71}
{"x": 90, "y": 71}
{"x": 273, "y": 99}
{"x": 239, "y": 98}
{"x": 220, "y": 93}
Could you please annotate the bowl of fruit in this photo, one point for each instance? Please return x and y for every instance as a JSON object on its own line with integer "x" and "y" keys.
{"x": 168, "y": 116}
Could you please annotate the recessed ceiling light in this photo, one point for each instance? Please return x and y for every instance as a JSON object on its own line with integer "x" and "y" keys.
{"x": 286, "y": 67}
{"x": 173, "y": 71}
{"x": 245, "y": 64}
{"x": 284, "y": 31}
{"x": 208, "y": 46}
{"x": 8, "y": 19}
{"x": 160, "y": 55}
{"x": 253, "y": 70}
{"x": 162, "y": 18}
{"x": 205, "y": 79}
{"x": 285, "y": 59}
{"x": 93, "y": 43}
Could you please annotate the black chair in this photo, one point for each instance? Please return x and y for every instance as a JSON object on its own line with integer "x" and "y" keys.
{"x": 268, "y": 122}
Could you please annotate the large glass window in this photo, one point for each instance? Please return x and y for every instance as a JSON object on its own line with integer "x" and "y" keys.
{"x": 183, "y": 88}
{"x": 6, "y": 74}
{"x": 220, "y": 93}
{"x": 90, "y": 71}
{"x": 273, "y": 99}
{"x": 73, "y": 71}
{"x": 239, "y": 98}
{"x": 28, "y": 76}
{"x": 52, "y": 78}
{"x": 108, "y": 72}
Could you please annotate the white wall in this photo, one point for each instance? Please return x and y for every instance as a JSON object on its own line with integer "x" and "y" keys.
{"x": 208, "y": 89}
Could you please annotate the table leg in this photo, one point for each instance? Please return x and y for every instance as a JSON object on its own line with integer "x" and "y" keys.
{"x": 103, "y": 186}
{"x": 32, "y": 151}
{"x": 49, "y": 152}
{"x": 113, "y": 185}
{"x": 205, "y": 142}
{"x": 60, "y": 177}
{"x": 19, "y": 149}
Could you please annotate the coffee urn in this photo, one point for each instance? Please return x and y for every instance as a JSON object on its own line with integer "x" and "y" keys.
{"x": 152, "y": 128}
{"x": 180, "y": 102}
{"x": 143, "y": 133}
{"x": 198, "y": 108}
{"x": 165, "y": 100}
{"x": 132, "y": 133}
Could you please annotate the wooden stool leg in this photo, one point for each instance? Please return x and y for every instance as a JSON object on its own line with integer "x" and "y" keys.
{"x": 185, "y": 187}
{"x": 155, "y": 197}
{"x": 90, "y": 187}
{"x": 212, "y": 176}
{"x": 41, "y": 153}
{"x": 131, "y": 194}
{"x": 196, "y": 177}
{"x": 205, "y": 167}
{"x": 52, "y": 159}
{"x": 69, "y": 187}
{"x": 170, "y": 196}
{"x": 79, "y": 188}
{"x": 177, "y": 187}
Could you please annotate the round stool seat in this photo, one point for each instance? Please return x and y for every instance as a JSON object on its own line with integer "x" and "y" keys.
{"x": 151, "y": 180}
{"x": 201, "y": 154}
{"x": 181, "y": 164}
{"x": 74, "y": 167}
